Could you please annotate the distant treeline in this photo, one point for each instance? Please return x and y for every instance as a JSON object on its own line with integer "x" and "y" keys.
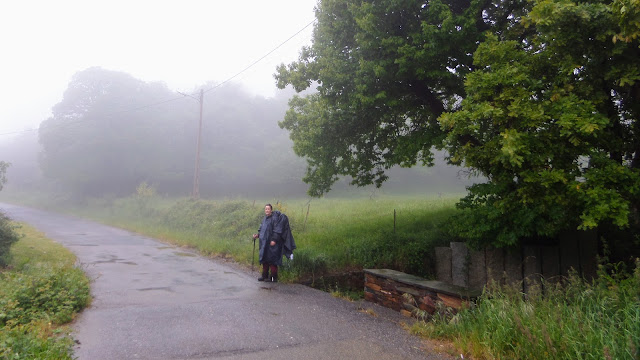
{"x": 111, "y": 132}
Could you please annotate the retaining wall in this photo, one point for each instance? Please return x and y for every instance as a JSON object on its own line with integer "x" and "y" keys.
{"x": 408, "y": 293}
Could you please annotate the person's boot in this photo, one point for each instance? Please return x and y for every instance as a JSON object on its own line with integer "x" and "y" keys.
{"x": 274, "y": 278}
{"x": 265, "y": 276}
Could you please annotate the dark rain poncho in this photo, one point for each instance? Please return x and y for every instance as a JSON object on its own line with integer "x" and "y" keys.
{"x": 275, "y": 228}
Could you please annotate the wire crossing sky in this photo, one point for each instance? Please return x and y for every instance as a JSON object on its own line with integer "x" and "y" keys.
{"x": 181, "y": 43}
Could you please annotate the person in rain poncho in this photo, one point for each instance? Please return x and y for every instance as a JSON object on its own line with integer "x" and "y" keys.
{"x": 275, "y": 241}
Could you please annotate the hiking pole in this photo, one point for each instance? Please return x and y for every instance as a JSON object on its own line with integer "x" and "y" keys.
{"x": 253, "y": 258}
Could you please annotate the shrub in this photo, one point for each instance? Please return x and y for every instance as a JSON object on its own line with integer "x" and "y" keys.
{"x": 8, "y": 236}
{"x": 50, "y": 294}
{"x": 23, "y": 342}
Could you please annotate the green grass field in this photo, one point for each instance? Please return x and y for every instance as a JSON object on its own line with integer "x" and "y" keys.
{"x": 332, "y": 235}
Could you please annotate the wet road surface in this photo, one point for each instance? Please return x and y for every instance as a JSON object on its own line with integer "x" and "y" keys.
{"x": 156, "y": 301}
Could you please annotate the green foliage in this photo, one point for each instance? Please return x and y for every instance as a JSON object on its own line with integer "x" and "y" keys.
{"x": 8, "y": 236}
{"x": 384, "y": 76}
{"x": 41, "y": 291}
{"x": 3, "y": 173}
{"x": 22, "y": 342}
{"x": 307, "y": 262}
{"x": 546, "y": 108}
{"x": 552, "y": 123}
{"x": 215, "y": 219}
{"x": 50, "y": 294}
{"x": 579, "y": 320}
{"x": 144, "y": 193}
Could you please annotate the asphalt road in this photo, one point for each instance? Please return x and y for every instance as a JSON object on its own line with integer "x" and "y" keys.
{"x": 156, "y": 301}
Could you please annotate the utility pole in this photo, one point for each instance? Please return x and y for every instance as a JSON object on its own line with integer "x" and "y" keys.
{"x": 196, "y": 176}
{"x": 195, "y": 193}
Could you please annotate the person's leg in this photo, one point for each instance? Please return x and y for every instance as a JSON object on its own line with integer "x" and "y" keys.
{"x": 274, "y": 273}
{"x": 265, "y": 272}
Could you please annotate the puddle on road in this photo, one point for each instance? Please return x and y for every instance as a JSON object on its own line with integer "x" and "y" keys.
{"x": 114, "y": 261}
{"x": 165, "y": 288}
{"x": 185, "y": 254}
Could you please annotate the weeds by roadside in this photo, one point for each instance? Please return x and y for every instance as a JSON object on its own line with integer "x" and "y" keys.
{"x": 40, "y": 291}
{"x": 576, "y": 320}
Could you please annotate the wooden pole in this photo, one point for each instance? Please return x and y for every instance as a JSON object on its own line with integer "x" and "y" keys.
{"x": 306, "y": 217}
{"x": 394, "y": 221}
{"x": 196, "y": 175}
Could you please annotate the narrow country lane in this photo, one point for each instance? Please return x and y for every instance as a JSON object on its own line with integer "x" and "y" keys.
{"x": 156, "y": 301}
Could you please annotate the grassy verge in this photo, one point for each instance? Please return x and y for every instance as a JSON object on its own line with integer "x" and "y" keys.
{"x": 332, "y": 235}
{"x": 578, "y": 320}
{"x": 40, "y": 291}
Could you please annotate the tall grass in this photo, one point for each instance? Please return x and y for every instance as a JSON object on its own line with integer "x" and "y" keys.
{"x": 576, "y": 320}
{"x": 331, "y": 234}
{"x": 39, "y": 292}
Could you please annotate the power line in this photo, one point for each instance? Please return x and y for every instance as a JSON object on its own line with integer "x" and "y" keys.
{"x": 262, "y": 58}
{"x": 18, "y": 132}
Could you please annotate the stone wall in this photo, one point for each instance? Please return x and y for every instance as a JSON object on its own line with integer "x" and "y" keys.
{"x": 408, "y": 293}
{"x": 524, "y": 267}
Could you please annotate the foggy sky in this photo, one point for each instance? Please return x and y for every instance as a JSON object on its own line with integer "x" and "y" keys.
{"x": 181, "y": 43}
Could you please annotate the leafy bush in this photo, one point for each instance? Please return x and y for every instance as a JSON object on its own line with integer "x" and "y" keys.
{"x": 24, "y": 342}
{"x": 8, "y": 236}
{"x": 51, "y": 294}
{"x": 306, "y": 262}
{"x": 40, "y": 291}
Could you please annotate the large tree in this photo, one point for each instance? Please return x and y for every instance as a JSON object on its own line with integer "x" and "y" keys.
{"x": 385, "y": 72}
{"x": 552, "y": 120}
{"x": 540, "y": 97}
{"x": 112, "y": 132}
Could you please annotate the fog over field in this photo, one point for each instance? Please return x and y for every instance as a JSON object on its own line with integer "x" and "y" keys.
{"x": 104, "y": 140}
{"x": 99, "y": 99}
{"x": 183, "y": 44}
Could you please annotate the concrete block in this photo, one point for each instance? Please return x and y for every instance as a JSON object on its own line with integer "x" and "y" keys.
{"x": 443, "y": 264}
{"x": 495, "y": 265}
{"x": 477, "y": 270}
{"x": 459, "y": 265}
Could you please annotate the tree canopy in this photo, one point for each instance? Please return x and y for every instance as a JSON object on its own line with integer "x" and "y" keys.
{"x": 3, "y": 173}
{"x": 540, "y": 97}
{"x": 112, "y": 132}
